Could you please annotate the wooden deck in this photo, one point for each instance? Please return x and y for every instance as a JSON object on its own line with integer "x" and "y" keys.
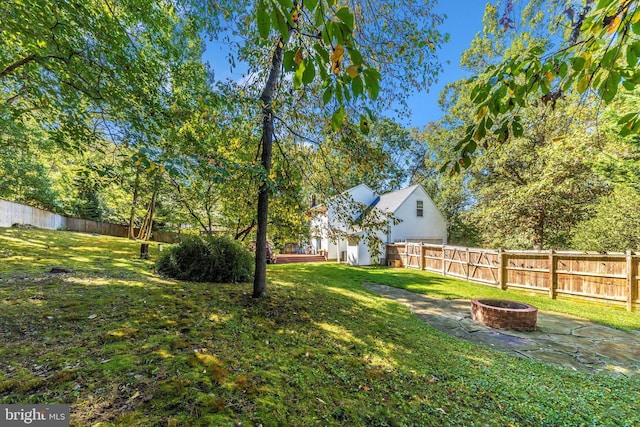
{"x": 291, "y": 258}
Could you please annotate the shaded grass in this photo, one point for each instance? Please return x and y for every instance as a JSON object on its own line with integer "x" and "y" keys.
{"x": 127, "y": 348}
{"x": 33, "y": 251}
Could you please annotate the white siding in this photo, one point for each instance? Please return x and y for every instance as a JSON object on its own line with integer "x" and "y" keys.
{"x": 363, "y": 194}
{"x": 431, "y": 225}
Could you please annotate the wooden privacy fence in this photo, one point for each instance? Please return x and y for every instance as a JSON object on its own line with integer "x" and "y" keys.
{"x": 16, "y": 213}
{"x": 610, "y": 277}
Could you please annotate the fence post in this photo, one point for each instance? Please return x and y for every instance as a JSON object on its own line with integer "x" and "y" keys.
{"x": 421, "y": 256}
{"x": 630, "y": 277}
{"x": 405, "y": 262}
{"x": 502, "y": 269}
{"x": 552, "y": 274}
{"x": 444, "y": 262}
{"x": 468, "y": 264}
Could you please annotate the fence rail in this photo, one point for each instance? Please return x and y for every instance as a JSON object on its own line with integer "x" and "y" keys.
{"x": 16, "y": 213}
{"x": 610, "y": 277}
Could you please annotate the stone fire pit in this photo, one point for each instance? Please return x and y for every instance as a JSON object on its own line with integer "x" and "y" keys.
{"x": 504, "y": 314}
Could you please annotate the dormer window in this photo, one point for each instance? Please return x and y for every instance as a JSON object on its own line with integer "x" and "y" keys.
{"x": 419, "y": 208}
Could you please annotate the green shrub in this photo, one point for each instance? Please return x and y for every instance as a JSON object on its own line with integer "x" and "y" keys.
{"x": 210, "y": 259}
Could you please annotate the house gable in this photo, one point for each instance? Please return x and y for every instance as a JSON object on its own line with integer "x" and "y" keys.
{"x": 402, "y": 204}
{"x": 431, "y": 226}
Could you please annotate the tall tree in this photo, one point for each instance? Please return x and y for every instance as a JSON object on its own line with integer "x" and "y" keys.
{"x": 334, "y": 63}
{"x": 598, "y": 54}
{"x": 528, "y": 189}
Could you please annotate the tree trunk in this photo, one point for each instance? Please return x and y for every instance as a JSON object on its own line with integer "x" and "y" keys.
{"x": 132, "y": 216}
{"x": 260, "y": 278}
{"x": 147, "y": 224}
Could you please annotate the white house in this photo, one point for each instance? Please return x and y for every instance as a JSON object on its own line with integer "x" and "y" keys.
{"x": 355, "y": 226}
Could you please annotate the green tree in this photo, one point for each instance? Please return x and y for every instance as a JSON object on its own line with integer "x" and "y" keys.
{"x": 332, "y": 59}
{"x": 598, "y": 54}
{"x": 615, "y": 224}
{"x": 529, "y": 189}
{"x": 533, "y": 189}
{"x": 450, "y": 192}
{"x": 82, "y": 66}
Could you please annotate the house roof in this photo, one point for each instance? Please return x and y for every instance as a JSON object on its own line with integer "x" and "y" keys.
{"x": 390, "y": 202}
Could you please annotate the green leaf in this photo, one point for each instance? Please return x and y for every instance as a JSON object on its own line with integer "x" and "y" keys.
{"x": 356, "y": 56}
{"x": 337, "y": 118}
{"x": 609, "y": 87}
{"x": 608, "y": 58}
{"x": 562, "y": 71}
{"x": 323, "y": 52}
{"x": 310, "y": 4}
{"x": 281, "y": 23}
{"x": 371, "y": 80}
{"x": 578, "y": 63}
{"x": 327, "y": 95}
{"x": 373, "y": 89}
{"x": 624, "y": 119}
{"x": 632, "y": 58}
{"x": 327, "y": 32}
{"x": 357, "y": 86}
{"x": 309, "y": 73}
{"x": 297, "y": 78}
{"x": 288, "y": 63}
{"x": 286, "y": 4}
{"x": 466, "y": 161}
{"x": 470, "y": 148}
{"x": 263, "y": 20}
{"x": 583, "y": 84}
{"x": 364, "y": 124}
{"x": 346, "y": 16}
{"x": 481, "y": 132}
{"x": 516, "y": 128}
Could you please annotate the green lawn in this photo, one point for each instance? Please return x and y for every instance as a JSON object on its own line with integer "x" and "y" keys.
{"x": 126, "y": 347}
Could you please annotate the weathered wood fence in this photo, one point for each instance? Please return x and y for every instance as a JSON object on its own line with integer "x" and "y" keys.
{"x": 610, "y": 277}
{"x": 16, "y": 213}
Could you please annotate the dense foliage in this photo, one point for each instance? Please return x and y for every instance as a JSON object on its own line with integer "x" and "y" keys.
{"x": 209, "y": 259}
{"x": 549, "y": 184}
{"x": 112, "y": 114}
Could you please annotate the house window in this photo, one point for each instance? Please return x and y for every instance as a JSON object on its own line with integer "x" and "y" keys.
{"x": 419, "y": 208}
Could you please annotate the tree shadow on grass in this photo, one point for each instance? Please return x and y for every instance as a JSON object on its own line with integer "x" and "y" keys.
{"x": 320, "y": 349}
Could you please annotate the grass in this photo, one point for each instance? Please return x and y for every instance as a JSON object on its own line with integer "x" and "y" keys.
{"x": 436, "y": 285}
{"x": 125, "y": 347}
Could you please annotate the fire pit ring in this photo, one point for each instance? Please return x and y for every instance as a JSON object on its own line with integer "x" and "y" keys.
{"x": 504, "y": 314}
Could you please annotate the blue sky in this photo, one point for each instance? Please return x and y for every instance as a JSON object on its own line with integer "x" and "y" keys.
{"x": 464, "y": 20}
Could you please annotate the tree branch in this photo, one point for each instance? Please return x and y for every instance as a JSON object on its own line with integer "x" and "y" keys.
{"x": 11, "y": 68}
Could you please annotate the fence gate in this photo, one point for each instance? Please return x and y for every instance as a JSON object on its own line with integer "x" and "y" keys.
{"x": 414, "y": 254}
{"x": 456, "y": 262}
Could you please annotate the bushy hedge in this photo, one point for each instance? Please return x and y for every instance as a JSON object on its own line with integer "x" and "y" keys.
{"x": 210, "y": 259}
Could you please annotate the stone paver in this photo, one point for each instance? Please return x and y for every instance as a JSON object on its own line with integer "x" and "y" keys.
{"x": 559, "y": 339}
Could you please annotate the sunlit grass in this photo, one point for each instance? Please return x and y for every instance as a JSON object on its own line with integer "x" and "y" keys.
{"x": 125, "y": 347}
{"x": 445, "y": 287}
